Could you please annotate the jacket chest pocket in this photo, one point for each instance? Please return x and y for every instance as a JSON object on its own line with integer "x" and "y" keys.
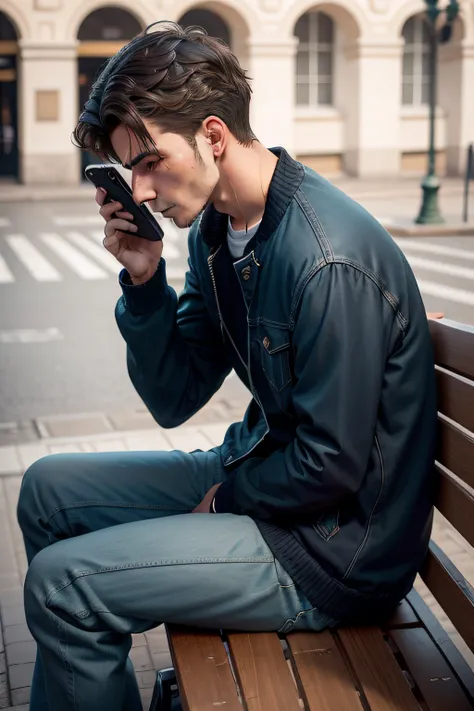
{"x": 274, "y": 352}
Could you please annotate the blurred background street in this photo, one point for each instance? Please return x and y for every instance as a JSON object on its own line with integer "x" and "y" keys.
{"x": 60, "y": 350}
{"x": 346, "y": 86}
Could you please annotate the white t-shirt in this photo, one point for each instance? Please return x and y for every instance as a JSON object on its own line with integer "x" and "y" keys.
{"x": 237, "y": 240}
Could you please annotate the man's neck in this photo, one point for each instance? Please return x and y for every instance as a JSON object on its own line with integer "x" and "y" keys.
{"x": 245, "y": 177}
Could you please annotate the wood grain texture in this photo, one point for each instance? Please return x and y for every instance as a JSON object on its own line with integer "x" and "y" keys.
{"x": 203, "y": 670}
{"x": 453, "y": 346}
{"x": 433, "y": 676}
{"x": 326, "y": 680}
{"x": 456, "y": 504}
{"x": 262, "y": 672}
{"x": 452, "y": 590}
{"x": 456, "y": 451}
{"x": 455, "y": 398}
{"x": 382, "y": 680}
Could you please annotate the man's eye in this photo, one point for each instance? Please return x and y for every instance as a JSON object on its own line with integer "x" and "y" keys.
{"x": 151, "y": 165}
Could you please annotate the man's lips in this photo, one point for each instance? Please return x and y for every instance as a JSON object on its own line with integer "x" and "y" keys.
{"x": 163, "y": 212}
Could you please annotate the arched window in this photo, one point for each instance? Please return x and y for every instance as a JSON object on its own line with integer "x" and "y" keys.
{"x": 214, "y": 25}
{"x": 109, "y": 24}
{"x": 416, "y": 62}
{"x": 7, "y": 30}
{"x": 315, "y": 59}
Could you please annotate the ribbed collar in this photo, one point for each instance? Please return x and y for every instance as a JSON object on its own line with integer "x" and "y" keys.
{"x": 286, "y": 180}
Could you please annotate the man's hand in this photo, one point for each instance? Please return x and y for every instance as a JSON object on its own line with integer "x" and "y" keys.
{"x": 204, "y": 506}
{"x": 140, "y": 257}
{"x": 434, "y": 315}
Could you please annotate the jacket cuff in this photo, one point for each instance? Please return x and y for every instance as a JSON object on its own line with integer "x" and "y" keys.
{"x": 224, "y": 498}
{"x": 144, "y": 298}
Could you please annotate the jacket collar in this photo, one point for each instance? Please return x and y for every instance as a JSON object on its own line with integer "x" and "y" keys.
{"x": 286, "y": 180}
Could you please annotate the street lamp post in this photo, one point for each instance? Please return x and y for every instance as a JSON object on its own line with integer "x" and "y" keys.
{"x": 429, "y": 212}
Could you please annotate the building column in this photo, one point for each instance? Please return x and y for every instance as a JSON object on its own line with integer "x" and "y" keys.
{"x": 456, "y": 95}
{"x": 369, "y": 95}
{"x": 49, "y": 112}
{"x": 272, "y": 111}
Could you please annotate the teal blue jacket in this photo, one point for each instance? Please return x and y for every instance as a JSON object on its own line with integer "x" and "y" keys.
{"x": 334, "y": 457}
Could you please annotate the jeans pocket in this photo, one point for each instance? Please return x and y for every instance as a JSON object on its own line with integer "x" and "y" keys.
{"x": 283, "y": 577}
{"x": 312, "y": 619}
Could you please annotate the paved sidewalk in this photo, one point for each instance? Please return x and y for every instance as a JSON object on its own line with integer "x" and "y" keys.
{"x": 150, "y": 650}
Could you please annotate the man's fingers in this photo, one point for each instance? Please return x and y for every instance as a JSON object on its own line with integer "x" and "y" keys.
{"x": 434, "y": 314}
{"x": 112, "y": 243}
{"x": 117, "y": 225}
{"x": 100, "y": 195}
{"x": 108, "y": 209}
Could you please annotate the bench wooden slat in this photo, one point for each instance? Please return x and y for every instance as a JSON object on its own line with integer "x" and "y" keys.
{"x": 443, "y": 642}
{"x": 456, "y": 452}
{"x": 453, "y": 346}
{"x": 382, "y": 680}
{"x": 404, "y": 616}
{"x": 433, "y": 676}
{"x": 202, "y": 669}
{"x": 264, "y": 678}
{"x": 455, "y": 398}
{"x": 456, "y": 504}
{"x": 325, "y": 678}
{"x": 452, "y": 591}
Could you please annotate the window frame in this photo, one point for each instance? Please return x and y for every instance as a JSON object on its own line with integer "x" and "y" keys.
{"x": 419, "y": 78}
{"x": 314, "y": 47}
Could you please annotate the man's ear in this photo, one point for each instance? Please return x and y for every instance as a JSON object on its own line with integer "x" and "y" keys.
{"x": 215, "y": 132}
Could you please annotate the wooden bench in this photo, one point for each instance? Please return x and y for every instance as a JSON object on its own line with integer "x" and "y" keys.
{"x": 409, "y": 663}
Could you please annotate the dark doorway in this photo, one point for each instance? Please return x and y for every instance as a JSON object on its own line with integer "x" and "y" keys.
{"x": 101, "y": 35}
{"x": 214, "y": 25}
{"x": 9, "y": 164}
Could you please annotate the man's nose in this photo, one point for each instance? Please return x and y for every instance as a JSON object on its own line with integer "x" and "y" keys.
{"x": 142, "y": 189}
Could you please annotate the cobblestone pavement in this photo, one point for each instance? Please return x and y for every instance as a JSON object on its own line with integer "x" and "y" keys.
{"x": 150, "y": 650}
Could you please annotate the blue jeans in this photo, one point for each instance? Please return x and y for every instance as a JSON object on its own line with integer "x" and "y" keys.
{"x": 128, "y": 556}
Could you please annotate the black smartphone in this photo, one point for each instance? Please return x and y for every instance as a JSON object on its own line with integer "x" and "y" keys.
{"x": 107, "y": 177}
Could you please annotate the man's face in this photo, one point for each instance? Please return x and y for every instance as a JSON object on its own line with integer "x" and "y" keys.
{"x": 174, "y": 180}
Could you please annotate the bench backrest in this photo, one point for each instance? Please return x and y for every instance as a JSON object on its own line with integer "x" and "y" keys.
{"x": 454, "y": 358}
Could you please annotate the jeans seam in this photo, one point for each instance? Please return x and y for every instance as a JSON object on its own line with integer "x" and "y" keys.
{"x": 120, "y": 504}
{"x": 110, "y": 504}
{"x": 149, "y": 564}
{"x": 68, "y": 668}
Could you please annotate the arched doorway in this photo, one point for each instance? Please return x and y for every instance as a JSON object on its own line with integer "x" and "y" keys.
{"x": 100, "y": 36}
{"x": 8, "y": 99}
{"x": 210, "y": 21}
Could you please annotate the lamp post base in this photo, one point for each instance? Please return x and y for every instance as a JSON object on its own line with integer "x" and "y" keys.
{"x": 429, "y": 212}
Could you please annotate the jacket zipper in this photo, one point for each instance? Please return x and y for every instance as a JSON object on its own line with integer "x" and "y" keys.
{"x": 369, "y": 522}
{"x": 210, "y": 260}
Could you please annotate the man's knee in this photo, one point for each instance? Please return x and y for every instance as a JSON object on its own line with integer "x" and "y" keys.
{"x": 39, "y": 480}
{"x": 42, "y": 578}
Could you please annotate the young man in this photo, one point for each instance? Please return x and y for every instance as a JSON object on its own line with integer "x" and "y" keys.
{"x": 317, "y": 506}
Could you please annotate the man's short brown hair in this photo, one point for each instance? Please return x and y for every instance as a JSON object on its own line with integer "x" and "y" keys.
{"x": 173, "y": 76}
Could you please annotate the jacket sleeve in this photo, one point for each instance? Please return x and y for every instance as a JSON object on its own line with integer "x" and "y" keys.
{"x": 175, "y": 354}
{"x": 340, "y": 341}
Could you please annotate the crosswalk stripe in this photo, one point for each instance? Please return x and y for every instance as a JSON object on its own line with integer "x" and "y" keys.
{"x": 77, "y": 261}
{"x": 441, "y": 268}
{"x": 98, "y": 235}
{"x": 32, "y": 259}
{"x": 450, "y": 293}
{"x": 100, "y": 254}
{"x": 77, "y": 220}
{"x": 430, "y": 248}
{"x": 6, "y": 277}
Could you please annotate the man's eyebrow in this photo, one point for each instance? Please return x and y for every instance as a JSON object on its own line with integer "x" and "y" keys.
{"x": 138, "y": 158}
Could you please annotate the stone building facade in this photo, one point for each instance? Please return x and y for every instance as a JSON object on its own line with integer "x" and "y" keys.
{"x": 342, "y": 84}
